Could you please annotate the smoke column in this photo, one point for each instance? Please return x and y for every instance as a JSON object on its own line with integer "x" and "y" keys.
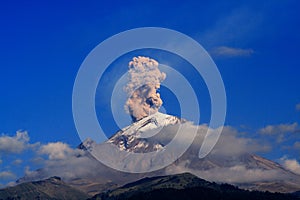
{"x": 143, "y": 81}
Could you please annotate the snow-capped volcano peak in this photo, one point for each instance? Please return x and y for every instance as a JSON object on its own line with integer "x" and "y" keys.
{"x": 154, "y": 121}
{"x": 134, "y": 137}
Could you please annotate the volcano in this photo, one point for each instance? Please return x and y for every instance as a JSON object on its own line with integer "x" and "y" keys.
{"x": 153, "y": 133}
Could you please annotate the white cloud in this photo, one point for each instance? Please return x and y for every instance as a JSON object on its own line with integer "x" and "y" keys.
{"x": 296, "y": 145}
{"x": 279, "y": 129}
{"x": 298, "y": 107}
{"x": 17, "y": 162}
{"x": 280, "y": 132}
{"x": 14, "y": 144}
{"x": 224, "y": 51}
{"x": 9, "y": 147}
{"x": 230, "y": 137}
{"x": 291, "y": 164}
{"x": 7, "y": 175}
{"x": 57, "y": 151}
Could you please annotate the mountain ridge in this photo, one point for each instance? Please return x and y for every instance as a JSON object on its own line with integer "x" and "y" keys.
{"x": 52, "y": 188}
{"x": 180, "y": 186}
{"x": 185, "y": 186}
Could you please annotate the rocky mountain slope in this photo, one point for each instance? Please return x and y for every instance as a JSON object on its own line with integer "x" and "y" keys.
{"x": 184, "y": 186}
{"x": 53, "y": 189}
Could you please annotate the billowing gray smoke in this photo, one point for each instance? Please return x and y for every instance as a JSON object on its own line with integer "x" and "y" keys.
{"x": 143, "y": 81}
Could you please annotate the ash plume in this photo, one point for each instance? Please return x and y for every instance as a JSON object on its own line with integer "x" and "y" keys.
{"x": 143, "y": 81}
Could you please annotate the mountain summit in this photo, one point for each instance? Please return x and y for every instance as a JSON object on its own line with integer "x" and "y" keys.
{"x": 135, "y": 138}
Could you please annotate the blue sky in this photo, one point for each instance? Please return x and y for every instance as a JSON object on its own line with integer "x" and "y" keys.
{"x": 255, "y": 46}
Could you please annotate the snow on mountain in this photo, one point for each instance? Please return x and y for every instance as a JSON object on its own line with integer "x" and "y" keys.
{"x": 134, "y": 137}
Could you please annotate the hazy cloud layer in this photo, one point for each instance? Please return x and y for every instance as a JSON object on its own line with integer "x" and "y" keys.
{"x": 232, "y": 143}
{"x": 231, "y": 161}
{"x": 70, "y": 167}
{"x": 71, "y": 163}
{"x": 228, "y": 160}
{"x": 224, "y": 51}
{"x": 235, "y": 174}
